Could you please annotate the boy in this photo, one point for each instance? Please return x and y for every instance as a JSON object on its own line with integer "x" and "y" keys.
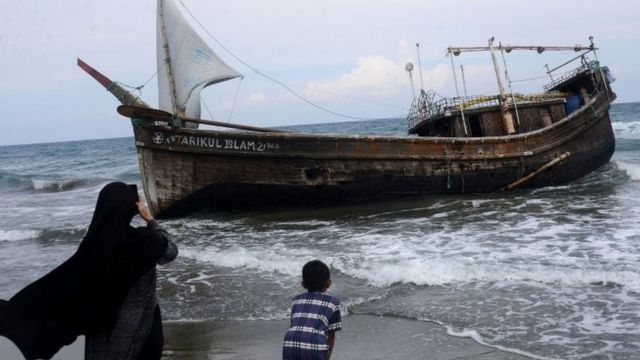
{"x": 315, "y": 317}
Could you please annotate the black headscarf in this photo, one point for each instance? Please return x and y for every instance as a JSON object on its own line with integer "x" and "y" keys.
{"x": 83, "y": 295}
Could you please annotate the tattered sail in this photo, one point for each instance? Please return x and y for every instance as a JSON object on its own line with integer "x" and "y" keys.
{"x": 186, "y": 63}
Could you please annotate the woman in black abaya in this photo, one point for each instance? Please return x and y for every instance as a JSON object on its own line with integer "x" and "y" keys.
{"x": 105, "y": 291}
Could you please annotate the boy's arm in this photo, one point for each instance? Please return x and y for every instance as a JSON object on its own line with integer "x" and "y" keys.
{"x": 331, "y": 340}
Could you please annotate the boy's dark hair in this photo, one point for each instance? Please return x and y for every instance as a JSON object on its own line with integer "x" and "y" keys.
{"x": 315, "y": 275}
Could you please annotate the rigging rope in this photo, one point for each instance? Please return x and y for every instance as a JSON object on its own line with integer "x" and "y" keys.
{"x": 271, "y": 78}
{"x": 235, "y": 99}
{"x": 233, "y": 106}
{"x": 540, "y": 77}
{"x": 207, "y": 108}
{"x": 139, "y": 88}
{"x": 154, "y": 75}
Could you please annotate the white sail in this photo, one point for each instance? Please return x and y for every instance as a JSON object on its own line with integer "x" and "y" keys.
{"x": 186, "y": 63}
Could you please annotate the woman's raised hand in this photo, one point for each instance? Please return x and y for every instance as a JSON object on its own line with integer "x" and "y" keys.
{"x": 144, "y": 212}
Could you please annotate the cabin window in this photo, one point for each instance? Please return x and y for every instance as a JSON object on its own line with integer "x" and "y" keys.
{"x": 475, "y": 126}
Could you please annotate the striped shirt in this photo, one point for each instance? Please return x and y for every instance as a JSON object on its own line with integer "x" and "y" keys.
{"x": 313, "y": 316}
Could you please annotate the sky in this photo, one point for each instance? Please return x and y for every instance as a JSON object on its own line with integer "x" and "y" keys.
{"x": 344, "y": 55}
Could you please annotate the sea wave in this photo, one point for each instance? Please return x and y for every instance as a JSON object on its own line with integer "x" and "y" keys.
{"x": 633, "y": 170}
{"x": 626, "y": 129}
{"x": 46, "y": 235}
{"x": 239, "y": 257}
{"x": 449, "y": 272}
{"x": 18, "y": 235}
{"x": 12, "y": 182}
{"x": 59, "y": 185}
{"x": 385, "y": 271}
{"x": 62, "y": 234}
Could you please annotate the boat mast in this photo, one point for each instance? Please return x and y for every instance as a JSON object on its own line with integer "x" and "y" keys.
{"x": 167, "y": 59}
{"x": 509, "y": 83}
{"x": 507, "y": 120}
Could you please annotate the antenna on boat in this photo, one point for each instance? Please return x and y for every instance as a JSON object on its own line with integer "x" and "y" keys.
{"x": 409, "y": 68}
{"x": 548, "y": 72}
{"x": 593, "y": 48}
{"x": 420, "y": 66}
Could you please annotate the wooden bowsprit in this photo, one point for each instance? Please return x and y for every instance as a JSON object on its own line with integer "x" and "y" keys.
{"x": 150, "y": 114}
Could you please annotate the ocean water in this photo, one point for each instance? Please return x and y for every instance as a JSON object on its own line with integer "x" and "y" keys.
{"x": 551, "y": 273}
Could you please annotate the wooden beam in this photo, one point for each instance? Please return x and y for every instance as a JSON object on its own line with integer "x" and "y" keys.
{"x": 150, "y": 114}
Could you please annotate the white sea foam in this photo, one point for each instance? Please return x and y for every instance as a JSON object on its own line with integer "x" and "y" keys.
{"x": 57, "y": 185}
{"x": 237, "y": 257}
{"x": 626, "y": 130}
{"x": 18, "y": 235}
{"x": 472, "y": 334}
{"x": 381, "y": 262}
{"x": 452, "y": 272}
{"x": 633, "y": 170}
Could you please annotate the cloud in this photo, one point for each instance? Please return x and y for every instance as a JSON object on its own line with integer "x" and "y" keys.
{"x": 373, "y": 76}
{"x": 257, "y": 99}
{"x": 378, "y": 77}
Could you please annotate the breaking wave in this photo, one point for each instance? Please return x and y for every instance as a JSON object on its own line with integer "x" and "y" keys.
{"x": 626, "y": 130}
{"x": 18, "y": 235}
{"x": 59, "y": 185}
{"x": 16, "y": 183}
{"x": 633, "y": 170}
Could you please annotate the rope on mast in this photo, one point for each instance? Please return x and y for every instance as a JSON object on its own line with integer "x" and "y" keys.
{"x": 235, "y": 99}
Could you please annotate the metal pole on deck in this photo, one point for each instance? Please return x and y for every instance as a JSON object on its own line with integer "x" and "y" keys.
{"x": 455, "y": 81}
{"x": 464, "y": 82}
{"x": 420, "y": 66}
{"x": 595, "y": 55}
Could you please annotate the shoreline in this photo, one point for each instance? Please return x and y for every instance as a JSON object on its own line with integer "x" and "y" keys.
{"x": 362, "y": 337}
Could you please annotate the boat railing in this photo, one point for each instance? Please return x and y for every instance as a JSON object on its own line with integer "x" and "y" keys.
{"x": 586, "y": 66}
{"x": 425, "y": 109}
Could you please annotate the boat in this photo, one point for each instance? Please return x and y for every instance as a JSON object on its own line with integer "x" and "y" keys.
{"x": 459, "y": 145}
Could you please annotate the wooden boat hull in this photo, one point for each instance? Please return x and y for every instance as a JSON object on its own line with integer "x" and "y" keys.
{"x": 185, "y": 170}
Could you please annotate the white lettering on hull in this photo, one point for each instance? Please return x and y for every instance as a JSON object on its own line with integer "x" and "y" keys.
{"x": 206, "y": 142}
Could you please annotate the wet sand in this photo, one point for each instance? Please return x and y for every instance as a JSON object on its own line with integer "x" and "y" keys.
{"x": 362, "y": 337}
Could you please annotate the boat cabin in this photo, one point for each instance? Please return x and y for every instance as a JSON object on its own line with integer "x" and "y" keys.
{"x": 509, "y": 113}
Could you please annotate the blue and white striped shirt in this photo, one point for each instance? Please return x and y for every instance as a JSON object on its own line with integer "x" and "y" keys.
{"x": 313, "y": 316}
